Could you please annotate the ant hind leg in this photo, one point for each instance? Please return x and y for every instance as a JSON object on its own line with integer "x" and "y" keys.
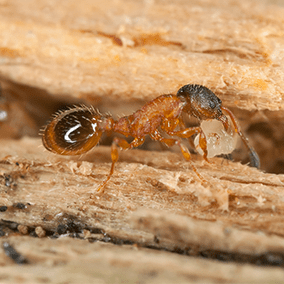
{"x": 122, "y": 143}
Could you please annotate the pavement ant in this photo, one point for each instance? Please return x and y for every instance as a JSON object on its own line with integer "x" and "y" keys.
{"x": 77, "y": 130}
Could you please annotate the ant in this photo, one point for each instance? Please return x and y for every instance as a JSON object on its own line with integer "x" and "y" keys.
{"x": 77, "y": 130}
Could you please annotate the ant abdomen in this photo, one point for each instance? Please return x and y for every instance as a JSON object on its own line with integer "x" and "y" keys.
{"x": 73, "y": 132}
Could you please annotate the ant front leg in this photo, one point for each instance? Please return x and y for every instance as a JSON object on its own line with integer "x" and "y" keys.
{"x": 189, "y": 139}
{"x": 122, "y": 143}
{"x": 188, "y": 132}
{"x": 185, "y": 152}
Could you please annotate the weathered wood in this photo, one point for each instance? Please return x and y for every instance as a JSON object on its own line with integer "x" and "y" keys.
{"x": 116, "y": 55}
{"x": 76, "y": 261}
{"x": 71, "y": 49}
{"x": 43, "y": 191}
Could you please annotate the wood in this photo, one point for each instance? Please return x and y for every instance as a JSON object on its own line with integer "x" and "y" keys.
{"x": 155, "y": 222}
{"x": 243, "y": 211}
{"x": 70, "y": 49}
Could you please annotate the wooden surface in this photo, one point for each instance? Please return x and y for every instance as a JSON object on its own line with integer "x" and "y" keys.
{"x": 155, "y": 222}
{"x": 154, "y": 200}
{"x": 234, "y": 48}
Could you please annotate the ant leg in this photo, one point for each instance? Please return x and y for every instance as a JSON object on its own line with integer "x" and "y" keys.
{"x": 254, "y": 159}
{"x": 122, "y": 143}
{"x": 188, "y": 132}
{"x": 158, "y": 137}
{"x": 185, "y": 152}
{"x": 189, "y": 139}
{"x": 187, "y": 156}
{"x": 114, "y": 158}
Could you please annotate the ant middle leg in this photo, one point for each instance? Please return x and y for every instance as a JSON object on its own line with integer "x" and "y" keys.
{"x": 122, "y": 143}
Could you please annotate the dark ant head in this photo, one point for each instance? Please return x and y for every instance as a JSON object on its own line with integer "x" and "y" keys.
{"x": 202, "y": 103}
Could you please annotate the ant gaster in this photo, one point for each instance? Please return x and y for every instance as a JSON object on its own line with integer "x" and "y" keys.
{"x": 77, "y": 130}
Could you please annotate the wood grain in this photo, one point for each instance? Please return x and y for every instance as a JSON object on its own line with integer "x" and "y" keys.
{"x": 155, "y": 222}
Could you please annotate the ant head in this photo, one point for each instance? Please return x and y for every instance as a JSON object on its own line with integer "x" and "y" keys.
{"x": 202, "y": 103}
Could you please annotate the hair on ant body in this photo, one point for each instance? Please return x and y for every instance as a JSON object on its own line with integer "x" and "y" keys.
{"x": 79, "y": 129}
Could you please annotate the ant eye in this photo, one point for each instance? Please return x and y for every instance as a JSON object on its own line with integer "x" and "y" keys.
{"x": 72, "y": 132}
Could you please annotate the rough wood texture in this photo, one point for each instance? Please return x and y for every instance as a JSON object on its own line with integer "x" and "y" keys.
{"x": 75, "y": 261}
{"x": 71, "y": 48}
{"x": 51, "y": 195}
{"x": 116, "y": 55}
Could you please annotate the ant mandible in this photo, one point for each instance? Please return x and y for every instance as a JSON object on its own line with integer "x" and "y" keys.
{"x": 77, "y": 130}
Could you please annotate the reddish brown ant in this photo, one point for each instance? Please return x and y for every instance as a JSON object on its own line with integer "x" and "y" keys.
{"x": 77, "y": 130}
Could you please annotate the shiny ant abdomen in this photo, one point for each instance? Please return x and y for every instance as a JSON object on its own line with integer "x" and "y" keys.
{"x": 77, "y": 130}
